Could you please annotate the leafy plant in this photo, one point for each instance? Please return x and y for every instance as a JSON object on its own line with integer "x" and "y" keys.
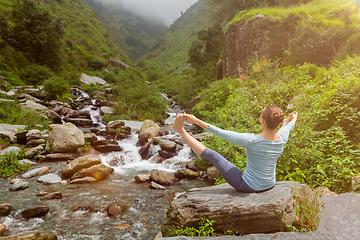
{"x": 205, "y": 229}
{"x": 87, "y": 146}
{"x": 56, "y": 88}
{"x": 9, "y": 165}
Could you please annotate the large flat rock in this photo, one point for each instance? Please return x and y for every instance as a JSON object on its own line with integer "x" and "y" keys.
{"x": 340, "y": 219}
{"x": 245, "y": 213}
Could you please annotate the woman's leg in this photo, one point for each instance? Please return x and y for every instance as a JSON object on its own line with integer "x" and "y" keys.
{"x": 228, "y": 171}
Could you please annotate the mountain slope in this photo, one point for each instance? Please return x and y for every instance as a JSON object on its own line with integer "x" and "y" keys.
{"x": 171, "y": 50}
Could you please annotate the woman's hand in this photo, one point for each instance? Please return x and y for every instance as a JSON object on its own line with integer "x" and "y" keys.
{"x": 191, "y": 119}
{"x": 292, "y": 117}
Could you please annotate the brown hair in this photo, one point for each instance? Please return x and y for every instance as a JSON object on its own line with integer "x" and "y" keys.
{"x": 273, "y": 116}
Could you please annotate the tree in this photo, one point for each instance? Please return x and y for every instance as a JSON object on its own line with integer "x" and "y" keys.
{"x": 36, "y": 32}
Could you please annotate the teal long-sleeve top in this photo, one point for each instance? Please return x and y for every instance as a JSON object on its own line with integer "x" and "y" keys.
{"x": 261, "y": 154}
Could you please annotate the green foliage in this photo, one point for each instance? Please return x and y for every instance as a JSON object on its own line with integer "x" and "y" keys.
{"x": 96, "y": 64}
{"x": 205, "y": 229}
{"x": 35, "y": 74}
{"x": 86, "y": 147}
{"x": 308, "y": 214}
{"x": 9, "y": 165}
{"x": 56, "y": 88}
{"x": 323, "y": 147}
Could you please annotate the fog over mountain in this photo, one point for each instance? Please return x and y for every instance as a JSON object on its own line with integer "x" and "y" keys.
{"x": 167, "y": 10}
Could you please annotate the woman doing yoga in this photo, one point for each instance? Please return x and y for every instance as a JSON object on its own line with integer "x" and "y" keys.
{"x": 262, "y": 151}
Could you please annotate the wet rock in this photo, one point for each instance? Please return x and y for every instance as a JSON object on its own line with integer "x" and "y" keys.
{"x": 323, "y": 191}
{"x": 115, "y": 124}
{"x": 117, "y": 209}
{"x": 212, "y": 173}
{"x": 186, "y": 174}
{"x": 99, "y": 172}
{"x": 63, "y": 111}
{"x": 9, "y": 149}
{"x": 158, "y": 159}
{"x": 80, "y": 163}
{"x": 83, "y": 180}
{"x": 30, "y": 236}
{"x": 106, "y": 146}
{"x": 50, "y": 178}
{"x": 54, "y": 195}
{"x": 117, "y": 161}
{"x": 192, "y": 166}
{"x": 35, "y": 142}
{"x": 274, "y": 208}
{"x": 90, "y": 137}
{"x": 37, "y": 211}
{"x": 355, "y": 184}
{"x": 142, "y": 178}
{"x": 144, "y": 151}
{"x": 121, "y": 136}
{"x": 2, "y": 228}
{"x": 142, "y": 141}
{"x": 79, "y": 114}
{"x": 33, "y": 152}
{"x": 167, "y": 145}
{"x": 5, "y": 209}
{"x": 20, "y": 185}
{"x": 15, "y": 181}
{"x": 54, "y": 116}
{"x": 149, "y": 129}
{"x": 64, "y": 138}
{"x": 36, "y": 172}
{"x": 60, "y": 156}
{"x": 29, "y": 104}
{"x": 33, "y": 134}
{"x": 154, "y": 185}
{"x": 26, "y": 161}
{"x": 81, "y": 122}
{"x": 166, "y": 154}
{"x": 162, "y": 177}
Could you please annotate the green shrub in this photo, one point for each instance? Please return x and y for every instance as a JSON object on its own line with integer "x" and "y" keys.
{"x": 57, "y": 88}
{"x": 205, "y": 229}
{"x": 9, "y": 165}
{"x": 35, "y": 74}
{"x": 97, "y": 65}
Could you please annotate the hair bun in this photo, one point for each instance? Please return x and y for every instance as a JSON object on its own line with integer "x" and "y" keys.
{"x": 277, "y": 116}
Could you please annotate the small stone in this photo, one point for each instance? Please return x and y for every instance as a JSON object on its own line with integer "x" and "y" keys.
{"x": 55, "y": 195}
{"x": 83, "y": 180}
{"x": 5, "y": 209}
{"x": 117, "y": 209}
{"x": 15, "y": 181}
{"x": 154, "y": 185}
{"x": 323, "y": 191}
{"x": 142, "y": 178}
{"x": 20, "y": 185}
{"x": 26, "y": 161}
{"x": 2, "y": 228}
{"x": 50, "y": 178}
{"x": 212, "y": 173}
{"x": 186, "y": 174}
{"x": 37, "y": 211}
{"x": 63, "y": 182}
{"x": 36, "y": 172}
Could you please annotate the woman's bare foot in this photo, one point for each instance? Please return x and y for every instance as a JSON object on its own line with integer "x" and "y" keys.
{"x": 178, "y": 124}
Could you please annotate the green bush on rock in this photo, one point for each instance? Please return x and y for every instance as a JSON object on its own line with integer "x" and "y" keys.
{"x": 9, "y": 165}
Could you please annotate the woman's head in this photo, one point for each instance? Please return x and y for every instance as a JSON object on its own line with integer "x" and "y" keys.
{"x": 273, "y": 116}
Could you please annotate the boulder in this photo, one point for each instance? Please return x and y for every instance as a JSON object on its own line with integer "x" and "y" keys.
{"x": 35, "y": 142}
{"x": 162, "y": 177}
{"x": 50, "y": 178}
{"x": 186, "y": 174}
{"x": 144, "y": 151}
{"x": 81, "y": 122}
{"x": 54, "y": 195}
{"x": 167, "y": 145}
{"x": 2, "y": 228}
{"x": 117, "y": 209}
{"x": 64, "y": 138}
{"x": 83, "y": 180}
{"x": 99, "y": 172}
{"x": 166, "y": 154}
{"x": 157, "y": 159}
{"x": 115, "y": 124}
{"x": 60, "y": 156}
{"x": 79, "y": 114}
{"x": 86, "y": 79}
{"x": 355, "y": 184}
{"x": 149, "y": 129}
{"x": 106, "y": 110}
{"x": 33, "y": 134}
{"x": 26, "y": 161}
{"x": 5, "y": 209}
{"x": 9, "y": 149}
{"x": 212, "y": 173}
{"x": 117, "y": 63}
{"x": 20, "y": 185}
{"x": 33, "y": 152}
{"x": 29, "y": 104}
{"x": 53, "y": 115}
{"x": 106, "y": 146}
{"x": 142, "y": 178}
{"x": 36, "y": 172}
{"x": 90, "y": 137}
{"x": 80, "y": 163}
{"x": 323, "y": 191}
{"x": 274, "y": 208}
{"x": 33, "y": 235}
{"x": 37, "y": 211}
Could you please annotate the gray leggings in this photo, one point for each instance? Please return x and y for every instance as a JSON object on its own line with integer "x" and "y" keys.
{"x": 228, "y": 171}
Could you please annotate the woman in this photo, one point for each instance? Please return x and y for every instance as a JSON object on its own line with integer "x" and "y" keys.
{"x": 262, "y": 151}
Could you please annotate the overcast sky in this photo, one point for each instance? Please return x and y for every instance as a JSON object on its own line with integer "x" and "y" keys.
{"x": 168, "y": 10}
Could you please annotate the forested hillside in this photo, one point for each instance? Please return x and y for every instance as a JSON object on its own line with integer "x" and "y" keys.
{"x": 132, "y": 33}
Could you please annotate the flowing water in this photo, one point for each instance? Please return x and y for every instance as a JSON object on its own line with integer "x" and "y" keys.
{"x": 81, "y": 212}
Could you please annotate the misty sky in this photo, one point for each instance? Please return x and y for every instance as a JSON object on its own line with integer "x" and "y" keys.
{"x": 168, "y": 10}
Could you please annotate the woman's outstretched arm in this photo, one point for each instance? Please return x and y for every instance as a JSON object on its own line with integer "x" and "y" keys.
{"x": 194, "y": 144}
